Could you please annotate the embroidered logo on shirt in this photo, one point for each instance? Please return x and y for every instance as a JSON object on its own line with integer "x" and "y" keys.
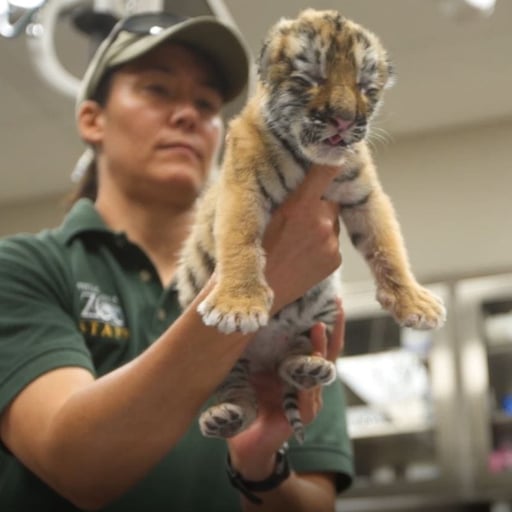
{"x": 101, "y": 314}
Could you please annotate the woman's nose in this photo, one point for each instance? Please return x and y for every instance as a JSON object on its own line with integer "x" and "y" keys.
{"x": 185, "y": 113}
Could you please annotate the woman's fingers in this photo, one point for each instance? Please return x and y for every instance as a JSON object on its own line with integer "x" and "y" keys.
{"x": 329, "y": 347}
{"x": 310, "y": 404}
{"x": 318, "y": 338}
{"x": 337, "y": 338}
{"x": 315, "y": 183}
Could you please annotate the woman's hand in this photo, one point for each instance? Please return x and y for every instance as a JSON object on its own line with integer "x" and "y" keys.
{"x": 252, "y": 451}
{"x": 301, "y": 239}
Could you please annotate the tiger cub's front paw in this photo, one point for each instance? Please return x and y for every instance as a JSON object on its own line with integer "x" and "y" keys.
{"x": 413, "y": 306}
{"x": 232, "y": 312}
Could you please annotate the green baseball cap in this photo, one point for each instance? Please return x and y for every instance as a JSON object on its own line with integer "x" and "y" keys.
{"x": 136, "y": 35}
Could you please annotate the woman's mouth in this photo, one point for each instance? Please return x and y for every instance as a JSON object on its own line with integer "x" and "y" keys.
{"x": 183, "y": 148}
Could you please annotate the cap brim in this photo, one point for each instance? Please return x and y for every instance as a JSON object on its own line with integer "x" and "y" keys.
{"x": 217, "y": 41}
{"x": 210, "y": 37}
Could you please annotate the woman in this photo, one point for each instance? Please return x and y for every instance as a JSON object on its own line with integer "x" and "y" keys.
{"x": 101, "y": 376}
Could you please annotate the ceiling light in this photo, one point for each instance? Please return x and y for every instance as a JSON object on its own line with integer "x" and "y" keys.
{"x": 15, "y": 15}
{"x": 483, "y": 5}
{"x": 467, "y": 9}
{"x": 27, "y": 4}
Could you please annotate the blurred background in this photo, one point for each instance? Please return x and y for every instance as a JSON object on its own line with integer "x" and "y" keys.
{"x": 430, "y": 413}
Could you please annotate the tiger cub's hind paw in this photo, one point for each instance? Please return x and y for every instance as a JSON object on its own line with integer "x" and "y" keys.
{"x": 305, "y": 372}
{"x": 231, "y": 312}
{"x": 414, "y": 307}
{"x": 225, "y": 420}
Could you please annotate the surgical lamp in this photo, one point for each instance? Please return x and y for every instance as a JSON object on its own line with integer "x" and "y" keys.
{"x": 38, "y": 20}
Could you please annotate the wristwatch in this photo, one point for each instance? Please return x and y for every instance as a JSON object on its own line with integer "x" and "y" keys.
{"x": 248, "y": 487}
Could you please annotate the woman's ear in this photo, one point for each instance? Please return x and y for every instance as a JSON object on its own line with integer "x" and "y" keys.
{"x": 90, "y": 122}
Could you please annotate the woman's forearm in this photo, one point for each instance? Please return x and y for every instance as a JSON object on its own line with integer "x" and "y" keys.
{"x": 99, "y": 437}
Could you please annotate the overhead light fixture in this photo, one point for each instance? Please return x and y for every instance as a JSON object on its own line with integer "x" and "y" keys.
{"x": 41, "y": 40}
{"x": 15, "y": 15}
{"x": 483, "y": 5}
{"x": 467, "y": 9}
{"x": 26, "y": 4}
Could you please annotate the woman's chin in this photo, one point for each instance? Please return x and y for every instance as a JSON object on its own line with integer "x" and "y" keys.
{"x": 181, "y": 187}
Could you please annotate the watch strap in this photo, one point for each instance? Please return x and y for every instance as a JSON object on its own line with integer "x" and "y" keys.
{"x": 248, "y": 487}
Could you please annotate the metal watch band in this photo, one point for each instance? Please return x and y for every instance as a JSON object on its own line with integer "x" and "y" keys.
{"x": 248, "y": 487}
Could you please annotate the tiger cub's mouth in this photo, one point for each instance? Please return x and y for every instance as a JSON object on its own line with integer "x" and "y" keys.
{"x": 336, "y": 140}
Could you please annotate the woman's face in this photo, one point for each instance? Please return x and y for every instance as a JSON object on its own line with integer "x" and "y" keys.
{"x": 161, "y": 127}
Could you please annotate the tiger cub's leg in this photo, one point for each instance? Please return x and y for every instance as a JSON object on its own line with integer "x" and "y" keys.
{"x": 375, "y": 232}
{"x": 300, "y": 368}
{"x": 302, "y": 371}
{"x": 236, "y": 406}
{"x": 241, "y": 299}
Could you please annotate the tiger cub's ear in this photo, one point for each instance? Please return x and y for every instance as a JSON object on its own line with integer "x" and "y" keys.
{"x": 268, "y": 48}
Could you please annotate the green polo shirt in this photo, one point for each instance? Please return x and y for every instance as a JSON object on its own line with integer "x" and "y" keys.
{"x": 83, "y": 295}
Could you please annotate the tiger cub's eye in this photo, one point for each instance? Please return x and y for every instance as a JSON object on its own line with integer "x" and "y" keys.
{"x": 367, "y": 88}
{"x": 301, "y": 80}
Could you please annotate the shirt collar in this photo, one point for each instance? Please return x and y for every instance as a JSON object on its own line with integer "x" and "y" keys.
{"x": 82, "y": 218}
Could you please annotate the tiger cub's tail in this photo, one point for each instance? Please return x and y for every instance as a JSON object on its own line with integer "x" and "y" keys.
{"x": 292, "y": 413}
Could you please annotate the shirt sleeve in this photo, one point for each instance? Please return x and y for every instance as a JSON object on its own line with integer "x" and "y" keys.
{"x": 38, "y": 331}
{"x": 327, "y": 446}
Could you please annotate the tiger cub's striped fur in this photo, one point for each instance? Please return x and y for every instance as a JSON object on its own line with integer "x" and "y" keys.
{"x": 321, "y": 79}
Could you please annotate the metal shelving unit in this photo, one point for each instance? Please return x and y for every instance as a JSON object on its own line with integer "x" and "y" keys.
{"x": 457, "y": 455}
{"x": 484, "y": 325}
{"x": 407, "y": 446}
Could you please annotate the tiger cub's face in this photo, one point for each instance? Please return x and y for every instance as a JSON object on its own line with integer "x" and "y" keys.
{"x": 323, "y": 77}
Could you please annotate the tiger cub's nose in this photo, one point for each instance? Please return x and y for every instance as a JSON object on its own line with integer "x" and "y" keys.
{"x": 341, "y": 124}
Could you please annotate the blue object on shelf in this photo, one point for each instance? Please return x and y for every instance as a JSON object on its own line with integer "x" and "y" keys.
{"x": 506, "y": 404}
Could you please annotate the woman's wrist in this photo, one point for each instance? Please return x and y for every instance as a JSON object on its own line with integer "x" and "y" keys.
{"x": 251, "y": 487}
{"x": 253, "y": 467}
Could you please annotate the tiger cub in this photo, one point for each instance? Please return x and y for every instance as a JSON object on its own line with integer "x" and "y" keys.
{"x": 320, "y": 80}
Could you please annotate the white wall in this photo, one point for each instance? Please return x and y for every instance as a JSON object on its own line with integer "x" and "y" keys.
{"x": 452, "y": 192}
{"x": 31, "y": 216}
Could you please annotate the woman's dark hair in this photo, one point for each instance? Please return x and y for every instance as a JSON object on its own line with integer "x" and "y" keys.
{"x": 87, "y": 187}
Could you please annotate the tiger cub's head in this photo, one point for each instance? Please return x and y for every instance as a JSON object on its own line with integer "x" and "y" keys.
{"x": 322, "y": 77}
